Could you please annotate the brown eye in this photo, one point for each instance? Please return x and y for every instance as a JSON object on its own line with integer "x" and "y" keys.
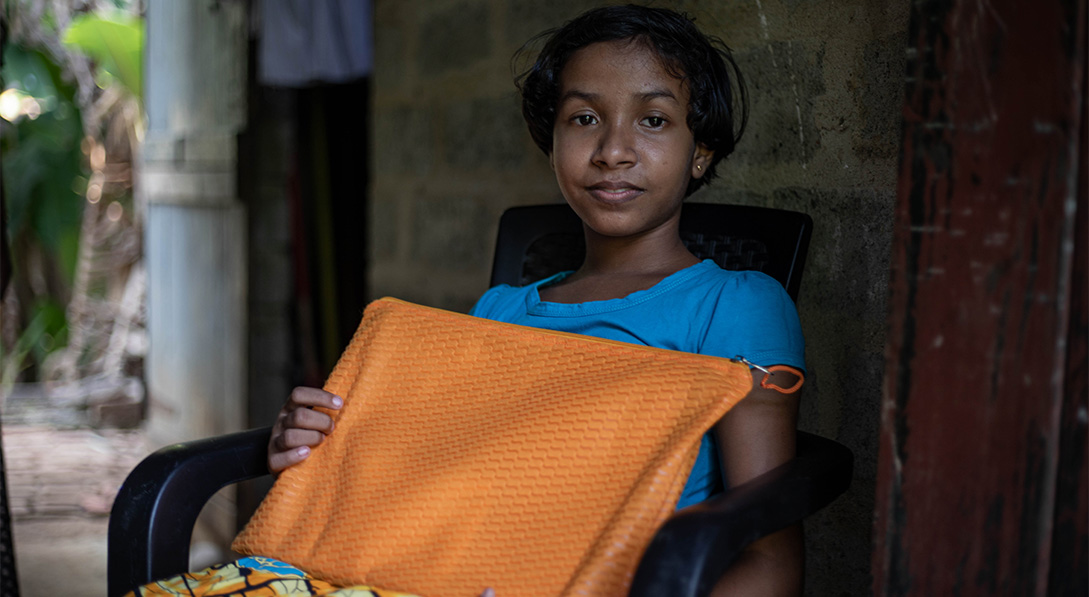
{"x": 654, "y": 121}
{"x": 585, "y": 119}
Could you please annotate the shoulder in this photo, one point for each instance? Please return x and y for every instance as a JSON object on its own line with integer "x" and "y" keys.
{"x": 757, "y": 287}
{"x": 504, "y": 302}
{"x": 749, "y": 279}
{"x": 751, "y": 314}
{"x": 733, "y": 286}
{"x": 498, "y": 299}
{"x": 707, "y": 292}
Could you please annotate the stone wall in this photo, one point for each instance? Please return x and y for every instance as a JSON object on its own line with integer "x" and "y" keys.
{"x": 825, "y": 80}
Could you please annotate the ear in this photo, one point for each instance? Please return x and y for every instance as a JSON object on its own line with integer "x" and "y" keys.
{"x": 701, "y": 160}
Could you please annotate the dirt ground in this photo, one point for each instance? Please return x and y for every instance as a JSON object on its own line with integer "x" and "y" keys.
{"x": 61, "y": 556}
{"x": 61, "y": 485}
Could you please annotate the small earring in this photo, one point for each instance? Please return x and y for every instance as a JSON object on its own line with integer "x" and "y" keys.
{"x": 698, "y": 167}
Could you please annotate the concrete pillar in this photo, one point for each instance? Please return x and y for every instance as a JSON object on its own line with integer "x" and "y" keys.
{"x": 195, "y": 72}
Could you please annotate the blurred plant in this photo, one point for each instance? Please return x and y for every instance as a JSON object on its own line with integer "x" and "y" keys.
{"x": 71, "y": 123}
{"x": 115, "y": 44}
{"x": 37, "y": 340}
{"x": 43, "y": 175}
{"x": 44, "y": 181}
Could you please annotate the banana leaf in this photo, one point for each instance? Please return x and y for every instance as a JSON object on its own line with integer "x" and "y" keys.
{"x": 115, "y": 44}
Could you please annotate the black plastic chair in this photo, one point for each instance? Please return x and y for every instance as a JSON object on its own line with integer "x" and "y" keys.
{"x": 157, "y": 507}
{"x": 537, "y": 241}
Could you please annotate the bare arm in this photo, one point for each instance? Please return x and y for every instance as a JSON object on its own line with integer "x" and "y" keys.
{"x": 757, "y": 435}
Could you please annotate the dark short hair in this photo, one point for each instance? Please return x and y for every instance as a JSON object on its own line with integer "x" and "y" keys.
{"x": 717, "y": 103}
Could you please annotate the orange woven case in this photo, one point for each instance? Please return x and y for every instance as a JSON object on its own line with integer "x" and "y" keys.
{"x": 473, "y": 454}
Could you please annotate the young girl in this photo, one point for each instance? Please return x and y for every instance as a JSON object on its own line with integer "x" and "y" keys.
{"x": 633, "y": 107}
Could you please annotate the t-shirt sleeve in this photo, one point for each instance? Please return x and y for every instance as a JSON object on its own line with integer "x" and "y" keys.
{"x": 485, "y": 306}
{"x": 756, "y": 319}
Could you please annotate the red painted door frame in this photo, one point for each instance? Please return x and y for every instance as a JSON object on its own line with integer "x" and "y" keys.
{"x": 981, "y": 484}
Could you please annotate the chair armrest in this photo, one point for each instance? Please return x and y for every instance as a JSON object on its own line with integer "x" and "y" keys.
{"x": 152, "y": 519}
{"x": 697, "y": 544}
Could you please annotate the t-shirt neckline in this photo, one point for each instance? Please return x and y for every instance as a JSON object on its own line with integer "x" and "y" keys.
{"x": 535, "y": 306}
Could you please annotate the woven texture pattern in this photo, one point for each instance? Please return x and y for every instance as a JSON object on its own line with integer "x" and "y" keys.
{"x": 471, "y": 453}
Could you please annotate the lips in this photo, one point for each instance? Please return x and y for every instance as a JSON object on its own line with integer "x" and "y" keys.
{"x": 614, "y": 192}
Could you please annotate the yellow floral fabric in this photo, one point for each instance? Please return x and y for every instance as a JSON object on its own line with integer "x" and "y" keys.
{"x": 255, "y": 577}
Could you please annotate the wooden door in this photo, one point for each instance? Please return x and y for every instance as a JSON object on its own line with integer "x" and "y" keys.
{"x": 982, "y": 464}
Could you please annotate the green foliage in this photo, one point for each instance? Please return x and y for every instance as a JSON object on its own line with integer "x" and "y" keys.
{"x": 115, "y": 44}
{"x": 46, "y": 330}
{"x": 44, "y": 178}
{"x": 43, "y": 175}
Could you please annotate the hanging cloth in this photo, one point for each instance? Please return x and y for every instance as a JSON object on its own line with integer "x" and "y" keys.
{"x": 308, "y": 42}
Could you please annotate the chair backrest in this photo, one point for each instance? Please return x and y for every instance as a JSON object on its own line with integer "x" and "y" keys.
{"x": 540, "y": 240}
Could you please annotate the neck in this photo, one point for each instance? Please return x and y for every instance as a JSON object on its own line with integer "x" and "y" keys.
{"x": 658, "y": 251}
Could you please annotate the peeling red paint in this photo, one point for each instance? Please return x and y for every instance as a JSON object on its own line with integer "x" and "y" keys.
{"x": 980, "y": 311}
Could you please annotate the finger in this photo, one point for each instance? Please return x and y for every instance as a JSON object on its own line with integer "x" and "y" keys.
{"x": 304, "y": 418}
{"x": 291, "y": 439}
{"x": 281, "y": 460}
{"x": 489, "y": 592}
{"x": 315, "y": 397}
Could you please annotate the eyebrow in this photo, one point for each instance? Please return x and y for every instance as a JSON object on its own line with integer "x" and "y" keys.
{"x": 645, "y": 96}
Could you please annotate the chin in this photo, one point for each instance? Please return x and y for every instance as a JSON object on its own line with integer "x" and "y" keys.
{"x": 615, "y": 227}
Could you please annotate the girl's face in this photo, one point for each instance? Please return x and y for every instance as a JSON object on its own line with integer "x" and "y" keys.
{"x": 621, "y": 147}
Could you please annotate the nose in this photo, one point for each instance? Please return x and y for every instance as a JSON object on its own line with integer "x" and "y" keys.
{"x": 616, "y": 147}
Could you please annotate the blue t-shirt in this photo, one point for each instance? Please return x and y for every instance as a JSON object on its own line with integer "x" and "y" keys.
{"x": 701, "y": 309}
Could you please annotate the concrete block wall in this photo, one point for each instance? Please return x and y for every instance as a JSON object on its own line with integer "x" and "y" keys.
{"x": 825, "y": 80}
